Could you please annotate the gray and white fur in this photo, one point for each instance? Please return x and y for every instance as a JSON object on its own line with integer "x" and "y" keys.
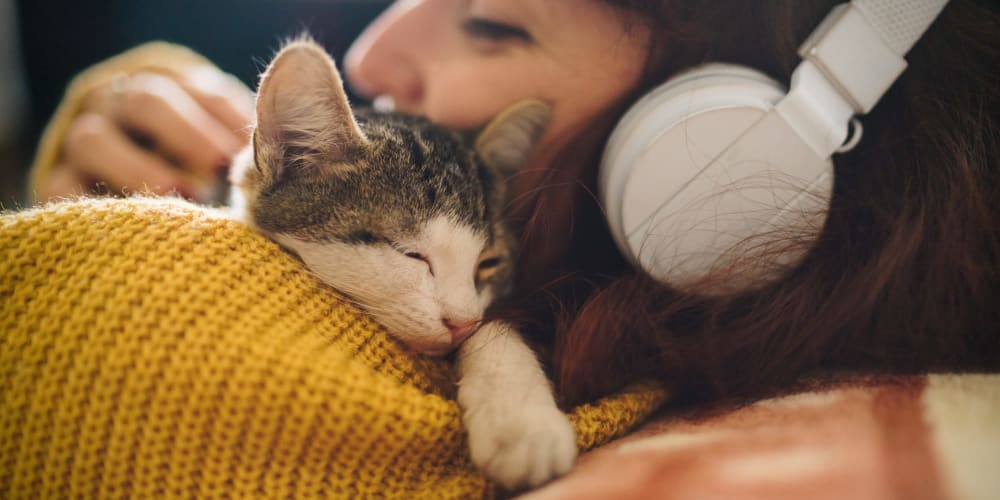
{"x": 403, "y": 217}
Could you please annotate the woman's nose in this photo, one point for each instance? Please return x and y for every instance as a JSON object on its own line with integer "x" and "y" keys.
{"x": 384, "y": 60}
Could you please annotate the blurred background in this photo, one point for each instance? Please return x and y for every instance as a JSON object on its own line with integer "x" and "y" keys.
{"x": 44, "y": 43}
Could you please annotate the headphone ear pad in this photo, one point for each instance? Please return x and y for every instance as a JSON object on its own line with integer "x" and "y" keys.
{"x": 659, "y": 156}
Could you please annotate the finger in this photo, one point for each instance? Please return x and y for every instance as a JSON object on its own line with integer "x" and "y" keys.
{"x": 97, "y": 148}
{"x": 224, "y": 97}
{"x": 63, "y": 182}
{"x": 158, "y": 107}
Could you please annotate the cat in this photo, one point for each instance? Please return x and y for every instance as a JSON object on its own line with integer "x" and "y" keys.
{"x": 404, "y": 218}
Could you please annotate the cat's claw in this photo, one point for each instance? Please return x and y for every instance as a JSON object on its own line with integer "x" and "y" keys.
{"x": 523, "y": 446}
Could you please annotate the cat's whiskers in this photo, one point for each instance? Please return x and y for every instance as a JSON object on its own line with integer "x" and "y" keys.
{"x": 486, "y": 338}
{"x": 399, "y": 243}
{"x": 391, "y": 314}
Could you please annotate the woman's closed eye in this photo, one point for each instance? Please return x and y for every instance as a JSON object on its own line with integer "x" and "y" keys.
{"x": 496, "y": 31}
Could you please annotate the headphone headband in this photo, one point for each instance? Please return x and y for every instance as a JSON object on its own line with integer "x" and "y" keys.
{"x": 900, "y": 22}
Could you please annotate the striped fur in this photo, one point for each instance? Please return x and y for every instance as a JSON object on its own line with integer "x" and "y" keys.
{"x": 404, "y": 217}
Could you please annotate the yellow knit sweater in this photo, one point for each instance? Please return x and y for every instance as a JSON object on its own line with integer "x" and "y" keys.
{"x": 154, "y": 348}
{"x": 151, "y": 347}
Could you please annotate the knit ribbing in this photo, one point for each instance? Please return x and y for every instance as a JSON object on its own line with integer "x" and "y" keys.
{"x": 151, "y": 348}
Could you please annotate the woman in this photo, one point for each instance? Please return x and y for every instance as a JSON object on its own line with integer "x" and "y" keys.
{"x": 904, "y": 277}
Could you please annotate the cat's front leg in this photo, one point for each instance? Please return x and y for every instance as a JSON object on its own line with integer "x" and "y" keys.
{"x": 517, "y": 434}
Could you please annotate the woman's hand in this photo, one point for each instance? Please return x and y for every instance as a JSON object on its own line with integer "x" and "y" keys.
{"x": 150, "y": 131}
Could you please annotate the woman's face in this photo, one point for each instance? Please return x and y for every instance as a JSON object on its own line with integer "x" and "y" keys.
{"x": 460, "y": 62}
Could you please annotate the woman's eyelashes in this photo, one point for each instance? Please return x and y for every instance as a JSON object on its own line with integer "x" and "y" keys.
{"x": 494, "y": 31}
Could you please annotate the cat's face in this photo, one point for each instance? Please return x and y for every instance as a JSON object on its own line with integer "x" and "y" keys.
{"x": 423, "y": 287}
{"x": 398, "y": 214}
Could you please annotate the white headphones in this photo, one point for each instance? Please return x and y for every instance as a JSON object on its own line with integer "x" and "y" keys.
{"x": 719, "y": 162}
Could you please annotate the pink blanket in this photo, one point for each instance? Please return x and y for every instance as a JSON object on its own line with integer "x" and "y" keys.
{"x": 933, "y": 437}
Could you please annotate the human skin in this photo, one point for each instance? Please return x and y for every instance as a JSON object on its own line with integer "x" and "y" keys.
{"x": 193, "y": 125}
{"x": 457, "y": 62}
{"x": 460, "y": 62}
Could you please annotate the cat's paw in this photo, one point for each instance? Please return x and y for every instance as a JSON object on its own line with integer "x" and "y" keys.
{"x": 521, "y": 446}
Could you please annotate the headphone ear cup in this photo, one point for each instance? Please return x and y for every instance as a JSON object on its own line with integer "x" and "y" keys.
{"x": 678, "y": 214}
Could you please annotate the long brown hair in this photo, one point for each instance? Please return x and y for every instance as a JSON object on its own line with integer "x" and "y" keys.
{"x": 905, "y": 275}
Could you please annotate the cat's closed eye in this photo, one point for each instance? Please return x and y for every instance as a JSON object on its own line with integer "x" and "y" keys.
{"x": 487, "y": 268}
{"x": 419, "y": 256}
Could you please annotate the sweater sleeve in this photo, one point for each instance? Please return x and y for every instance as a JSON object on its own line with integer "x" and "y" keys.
{"x": 161, "y": 57}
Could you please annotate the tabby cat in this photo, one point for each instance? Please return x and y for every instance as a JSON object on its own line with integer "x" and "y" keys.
{"x": 404, "y": 218}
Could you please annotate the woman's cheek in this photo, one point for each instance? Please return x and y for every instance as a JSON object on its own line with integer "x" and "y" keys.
{"x": 463, "y": 106}
{"x": 469, "y": 93}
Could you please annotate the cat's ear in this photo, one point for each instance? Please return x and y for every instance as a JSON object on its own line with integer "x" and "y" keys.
{"x": 507, "y": 141}
{"x": 305, "y": 126}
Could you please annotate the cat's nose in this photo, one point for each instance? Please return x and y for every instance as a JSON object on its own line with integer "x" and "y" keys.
{"x": 460, "y": 328}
